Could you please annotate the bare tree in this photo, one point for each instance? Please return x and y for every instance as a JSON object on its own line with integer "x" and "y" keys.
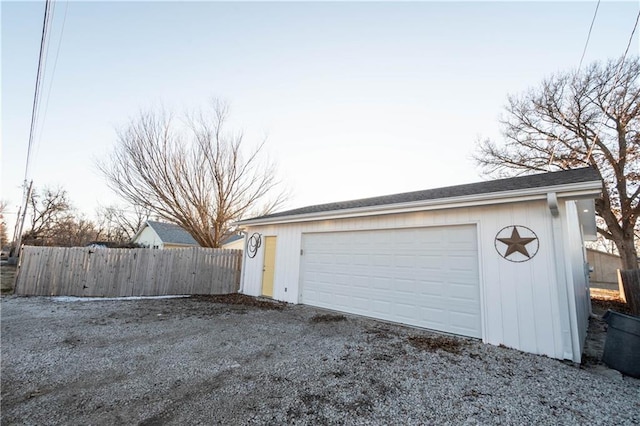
{"x": 120, "y": 224}
{"x": 195, "y": 174}
{"x": 54, "y": 222}
{"x": 49, "y": 208}
{"x": 73, "y": 231}
{"x": 4, "y": 237}
{"x": 578, "y": 119}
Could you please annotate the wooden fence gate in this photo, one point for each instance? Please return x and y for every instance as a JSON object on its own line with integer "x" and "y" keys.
{"x": 83, "y": 271}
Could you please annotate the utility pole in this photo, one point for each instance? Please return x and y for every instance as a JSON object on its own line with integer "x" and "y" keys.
{"x": 20, "y": 229}
{"x": 15, "y": 227}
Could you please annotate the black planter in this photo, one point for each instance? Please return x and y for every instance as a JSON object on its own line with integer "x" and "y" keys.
{"x": 622, "y": 344}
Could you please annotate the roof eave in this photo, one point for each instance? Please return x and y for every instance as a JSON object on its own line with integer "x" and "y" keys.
{"x": 568, "y": 191}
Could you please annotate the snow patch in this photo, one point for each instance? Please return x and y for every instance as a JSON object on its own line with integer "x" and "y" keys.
{"x": 126, "y": 298}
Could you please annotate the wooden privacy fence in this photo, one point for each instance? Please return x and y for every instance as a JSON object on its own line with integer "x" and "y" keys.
{"x": 630, "y": 288}
{"x": 80, "y": 271}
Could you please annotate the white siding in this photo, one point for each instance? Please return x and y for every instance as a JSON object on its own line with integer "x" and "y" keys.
{"x": 520, "y": 304}
{"x": 235, "y": 245}
{"x": 149, "y": 238}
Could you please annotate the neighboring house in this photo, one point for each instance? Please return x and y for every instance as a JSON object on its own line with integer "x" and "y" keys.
{"x": 502, "y": 260}
{"x": 234, "y": 242}
{"x": 161, "y": 235}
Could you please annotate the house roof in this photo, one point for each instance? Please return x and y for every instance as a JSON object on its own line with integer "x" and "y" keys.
{"x": 172, "y": 234}
{"x": 232, "y": 238}
{"x": 539, "y": 183}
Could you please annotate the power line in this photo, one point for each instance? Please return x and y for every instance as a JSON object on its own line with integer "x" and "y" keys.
{"x": 631, "y": 37}
{"x": 584, "y": 51}
{"x": 586, "y": 43}
{"x": 616, "y": 79}
{"x": 624, "y": 56}
{"x": 34, "y": 117}
{"x": 53, "y": 73}
{"x": 36, "y": 94}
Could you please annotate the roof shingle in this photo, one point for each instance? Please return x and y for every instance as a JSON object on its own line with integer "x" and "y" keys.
{"x": 172, "y": 233}
{"x": 565, "y": 177}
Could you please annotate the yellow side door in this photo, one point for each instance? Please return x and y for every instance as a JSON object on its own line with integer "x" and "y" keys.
{"x": 269, "y": 266}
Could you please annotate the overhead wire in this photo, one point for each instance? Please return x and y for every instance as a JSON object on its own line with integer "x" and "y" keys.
{"x": 624, "y": 56}
{"x": 36, "y": 94}
{"x": 617, "y": 76}
{"x": 584, "y": 51}
{"x": 53, "y": 73}
{"x": 635, "y": 26}
{"x": 586, "y": 43}
{"x": 42, "y": 57}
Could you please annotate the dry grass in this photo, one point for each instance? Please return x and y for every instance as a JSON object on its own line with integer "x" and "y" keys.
{"x": 603, "y": 300}
{"x": 327, "y": 318}
{"x": 244, "y": 300}
{"x": 7, "y": 278}
{"x": 445, "y": 343}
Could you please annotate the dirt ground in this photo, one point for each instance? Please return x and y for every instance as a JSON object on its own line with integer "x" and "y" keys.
{"x": 238, "y": 360}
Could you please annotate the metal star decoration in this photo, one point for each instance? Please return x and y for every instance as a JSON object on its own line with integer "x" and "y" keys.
{"x": 516, "y": 243}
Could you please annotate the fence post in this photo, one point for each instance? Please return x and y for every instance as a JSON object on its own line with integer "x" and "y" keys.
{"x": 621, "y": 286}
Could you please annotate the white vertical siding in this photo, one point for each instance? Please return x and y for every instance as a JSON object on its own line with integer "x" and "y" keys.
{"x": 520, "y": 301}
{"x": 577, "y": 278}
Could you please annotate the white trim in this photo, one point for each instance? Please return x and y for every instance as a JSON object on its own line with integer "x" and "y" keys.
{"x": 243, "y": 269}
{"x": 571, "y": 191}
{"x": 552, "y": 202}
{"x": 484, "y": 328}
{"x": 566, "y": 327}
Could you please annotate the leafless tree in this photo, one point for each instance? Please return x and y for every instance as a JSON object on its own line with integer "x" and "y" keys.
{"x": 73, "y": 231}
{"x": 4, "y": 237}
{"x": 194, "y": 173}
{"x": 54, "y": 221}
{"x": 48, "y": 209}
{"x": 578, "y": 119}
{"x": 120, "y": 224}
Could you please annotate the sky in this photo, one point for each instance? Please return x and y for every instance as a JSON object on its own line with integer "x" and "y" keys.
{"x": 355, "y": 99}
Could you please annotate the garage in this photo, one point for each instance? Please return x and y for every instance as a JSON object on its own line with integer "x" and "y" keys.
{"x": 501, "y": 260}
{"x": 426, "y": 277}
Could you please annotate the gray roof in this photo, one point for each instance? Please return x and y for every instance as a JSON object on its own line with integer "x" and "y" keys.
{"x": 565, "y": 177}
{"x": 171, "y": 233}
{"x": 232, "y": 238}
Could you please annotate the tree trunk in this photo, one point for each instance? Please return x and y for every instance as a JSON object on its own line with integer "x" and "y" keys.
{"x": 628, "y": 253}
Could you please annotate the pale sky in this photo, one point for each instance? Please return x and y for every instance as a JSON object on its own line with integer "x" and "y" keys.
{"x": 356, "y": 99}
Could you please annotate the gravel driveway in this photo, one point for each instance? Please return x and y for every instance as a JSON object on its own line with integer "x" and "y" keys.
{"x": 194, "y": 361}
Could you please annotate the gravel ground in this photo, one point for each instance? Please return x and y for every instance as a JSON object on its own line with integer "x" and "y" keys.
{"x": 195, "y": 361}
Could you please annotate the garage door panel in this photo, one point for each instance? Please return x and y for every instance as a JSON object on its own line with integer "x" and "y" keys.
{"x": 406, "y": 312}
{"x": 432, "y": 313}
{"x": 431, "y": 290}
{"x": 426, "y": 277}
{"x": 462, "y": 292}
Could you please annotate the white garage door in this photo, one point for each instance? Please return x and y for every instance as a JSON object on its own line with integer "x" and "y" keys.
{"x": 427, "y": 277}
